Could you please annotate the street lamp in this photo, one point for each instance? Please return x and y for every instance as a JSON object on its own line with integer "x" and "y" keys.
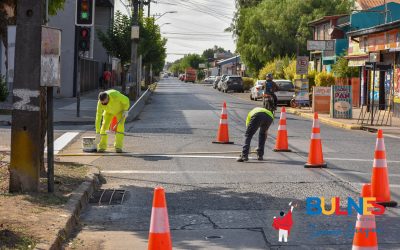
{"x": 164, "y": 24}
{"x": 168, "y": 12}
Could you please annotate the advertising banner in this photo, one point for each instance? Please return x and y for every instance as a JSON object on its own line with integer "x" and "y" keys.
{"x": 341, "y": 102}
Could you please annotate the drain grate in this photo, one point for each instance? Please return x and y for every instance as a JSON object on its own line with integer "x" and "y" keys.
{"x": 107, "y": 197}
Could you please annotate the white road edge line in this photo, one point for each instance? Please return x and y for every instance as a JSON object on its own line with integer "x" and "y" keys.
{"x": 63, "y": 141}
{"x": 178, "y": 172}
{"x": 361, "y": 160}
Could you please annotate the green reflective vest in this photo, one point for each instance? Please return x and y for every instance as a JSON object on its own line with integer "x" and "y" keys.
{"x": 258, "y": 110}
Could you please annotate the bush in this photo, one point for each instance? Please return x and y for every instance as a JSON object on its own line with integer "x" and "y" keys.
{"x": 276, "y": 67}
{"x": 324, "y": 79}
{"x": 290, "y": 71}
{"x": 3, "y": 89}
{"x": 311, "y": 78}
{"x": 200, "y": 75}
{"x": 341, "y": 69}
{"x": 248, "y": 83}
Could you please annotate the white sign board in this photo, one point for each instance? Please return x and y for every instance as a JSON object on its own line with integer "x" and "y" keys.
{"x": 202, "y": 65}
{"x": 50, "y": 57}
{"x": 322, "y": 91}
{"x": 302, "y": 65}
{"x": 135, "y": 32}
{"x": 321, "y": 45}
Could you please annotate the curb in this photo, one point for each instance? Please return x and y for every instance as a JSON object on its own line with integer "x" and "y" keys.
{"x": 325, "y": 120}
{"x": 139, "y": 105}
{"x": 77, "y": 203}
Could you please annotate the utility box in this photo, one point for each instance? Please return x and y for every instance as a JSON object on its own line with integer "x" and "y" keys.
{"x": 51, "y": 57}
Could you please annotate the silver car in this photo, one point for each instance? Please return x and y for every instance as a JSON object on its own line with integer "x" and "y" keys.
{"x": 256, "y": 91}
{"x": 286, "y": 91}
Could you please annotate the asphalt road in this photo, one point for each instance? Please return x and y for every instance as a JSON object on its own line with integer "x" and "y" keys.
{"x": 209, "y": 194}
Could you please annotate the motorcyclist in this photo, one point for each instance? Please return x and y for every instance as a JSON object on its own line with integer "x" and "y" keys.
{"x": 270, "y": 87}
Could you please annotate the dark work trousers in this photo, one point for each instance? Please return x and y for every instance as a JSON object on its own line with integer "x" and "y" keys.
{"x": 260, "y": 121}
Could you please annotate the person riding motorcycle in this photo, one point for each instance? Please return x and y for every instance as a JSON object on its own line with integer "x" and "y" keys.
{"x": 270, "y": 87}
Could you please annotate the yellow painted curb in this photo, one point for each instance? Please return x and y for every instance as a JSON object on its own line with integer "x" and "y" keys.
{"x": 327, "y": 121}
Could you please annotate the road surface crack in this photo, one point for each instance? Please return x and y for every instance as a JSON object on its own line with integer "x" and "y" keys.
{"x": 215, "y": 226}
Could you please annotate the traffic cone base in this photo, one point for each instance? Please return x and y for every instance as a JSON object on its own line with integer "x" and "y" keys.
{"x": 220, "y": 142}
{"x": 282, "y": 150}
{"x": 322, "y": 165}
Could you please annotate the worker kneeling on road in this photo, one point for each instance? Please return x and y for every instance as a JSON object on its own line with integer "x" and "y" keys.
{"x": 257, "y": 118}
{"x": 111, "y": 103}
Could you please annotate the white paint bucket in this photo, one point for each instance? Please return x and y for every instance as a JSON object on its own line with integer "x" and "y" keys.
{"x": 88, "y": 144}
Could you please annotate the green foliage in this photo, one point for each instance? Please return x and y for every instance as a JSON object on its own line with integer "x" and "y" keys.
{"x": 311, "y": 78}
{"x": 324, "y": 79}
{"x": 117, "y": 39}
{"x": 209, "y": 53}
{"x": 276, "y": 67}
{"x": 341, "y": 69}
{"x": 271, "y": 28}
{"x": 152, "y": 46}
{"x": 200, "y": 75}
{"x": 3, "y": 89}
{"x": 248, "y": 83}
{"x": 55, "y": 5}
{"x": 190, "y": 60}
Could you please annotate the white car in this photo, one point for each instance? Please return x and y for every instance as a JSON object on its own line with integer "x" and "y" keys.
{"x": 286, "y": 91}
{"x": 256, "y": 91}
{"x": 210, "y": 79}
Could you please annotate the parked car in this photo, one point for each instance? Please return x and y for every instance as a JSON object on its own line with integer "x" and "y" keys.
{"x": 286, "y": 91}
{"x": 210, "y": 79}
{"x": 216, "y": 81}
{"x": 181, "y": 77}
{"x": 256, "y": 91}
{"x": 219, "y": 86}
{"x": 232, "y": 83}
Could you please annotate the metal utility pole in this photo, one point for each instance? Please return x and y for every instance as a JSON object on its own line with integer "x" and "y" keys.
{"x": 134, "y": 52}
{"x": 148, "y": 8}
{"x": 26, "y": 125}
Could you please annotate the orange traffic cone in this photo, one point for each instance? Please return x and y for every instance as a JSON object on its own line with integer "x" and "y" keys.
{"x": 282, "y": 144}
{"x": 223, "y": 132}
{"x": 159, "y": 236}
{"x": 315, "y": 156}
{"x": 365, "y": 235}
{"x": 380, "y": 181}
{"x": 113, "y": 124}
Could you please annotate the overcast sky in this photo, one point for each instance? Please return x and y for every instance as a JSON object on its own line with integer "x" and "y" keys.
{"x": 197, "y": 25}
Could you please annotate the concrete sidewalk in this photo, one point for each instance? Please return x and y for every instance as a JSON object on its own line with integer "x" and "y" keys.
{"x": 349, "y": 124}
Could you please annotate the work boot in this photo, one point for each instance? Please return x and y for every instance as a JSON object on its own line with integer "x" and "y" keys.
{"x": 242, "y": 158}
{"x": 118, "y": 150}
{"x": 260, "y": 157}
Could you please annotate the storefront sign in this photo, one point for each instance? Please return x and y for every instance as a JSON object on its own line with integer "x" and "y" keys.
{"x": 320, "y": 45}
{"x": 321, "y": 99}
{"x": 341, "y": 102}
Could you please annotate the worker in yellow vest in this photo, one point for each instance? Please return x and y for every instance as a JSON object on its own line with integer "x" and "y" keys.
{"x": 111, "y": 103}
{"x": 258, "y": 118}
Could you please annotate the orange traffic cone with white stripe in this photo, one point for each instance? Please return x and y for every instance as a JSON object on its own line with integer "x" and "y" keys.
{"x": 315, "y": 156}
{"x": 282, "y": 144}
{"x": 113, "y": 124}
{"x": 380, "y": 181}
{"x": 365, "y": 234}
{"x": 159, "y": 236}
{"x": 223, "y": 132}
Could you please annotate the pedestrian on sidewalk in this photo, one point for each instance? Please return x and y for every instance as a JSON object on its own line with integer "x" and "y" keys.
{"x": 107, "y": 79}
{"x": 111, "y": 103}
{"x": 258, "y": 118}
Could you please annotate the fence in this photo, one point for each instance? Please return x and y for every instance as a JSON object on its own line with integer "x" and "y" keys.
{"x": 90, "y": 74}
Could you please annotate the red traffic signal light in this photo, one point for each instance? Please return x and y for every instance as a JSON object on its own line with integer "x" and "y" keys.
{"x": 84, "y": 12}
{"x": 84, "y": 38}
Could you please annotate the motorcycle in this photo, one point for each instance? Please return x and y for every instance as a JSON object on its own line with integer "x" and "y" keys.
{"x": 268, "y": 102}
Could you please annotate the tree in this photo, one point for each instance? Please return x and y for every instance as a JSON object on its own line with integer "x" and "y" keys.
{"x": 192, "y": 60}
{"x": 209, "y": 53}
{"x": 341, "y": 69}
{"x": 152, "y": 47}
{"x": 117, "y": 40}
{"x": 271, "y": 28}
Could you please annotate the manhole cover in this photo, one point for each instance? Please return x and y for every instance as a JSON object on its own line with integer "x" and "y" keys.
{"x": 107, "y": 197}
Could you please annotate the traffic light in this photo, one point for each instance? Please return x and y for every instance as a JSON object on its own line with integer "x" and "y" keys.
{"x": 84, "y": 12}
{"x": 83, "y": 38}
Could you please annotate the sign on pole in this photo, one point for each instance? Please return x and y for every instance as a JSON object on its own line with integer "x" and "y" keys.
{"x": 327, "y": 45}
{"x": 302, "y": 65}
{"x": 202, "y": 65}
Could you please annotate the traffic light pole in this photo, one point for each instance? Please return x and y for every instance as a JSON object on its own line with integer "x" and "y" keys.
{"x": 26, "y": 125}
{"x": 77, "y": 73}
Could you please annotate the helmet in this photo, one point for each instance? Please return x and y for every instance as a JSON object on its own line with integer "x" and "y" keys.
{"x": 270, "y": 76}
